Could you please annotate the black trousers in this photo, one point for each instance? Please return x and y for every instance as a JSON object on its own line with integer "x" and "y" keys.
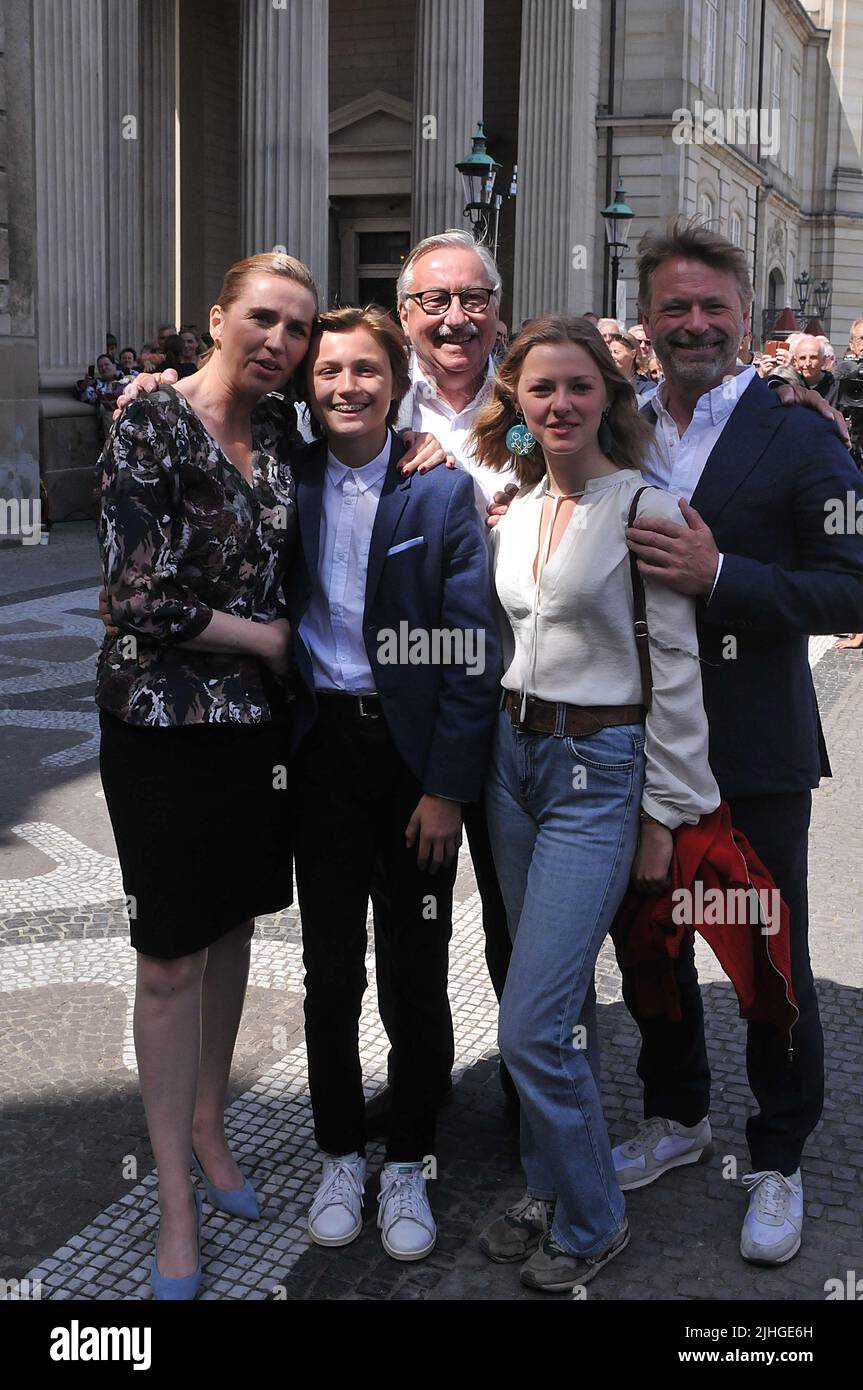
{"x": 355, "y": 797}
{"x": 498, "y": 945}
{"x": 673, "y": 1060}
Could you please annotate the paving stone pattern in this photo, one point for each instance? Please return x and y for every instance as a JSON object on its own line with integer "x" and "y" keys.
{"x": 79, "y": 1211}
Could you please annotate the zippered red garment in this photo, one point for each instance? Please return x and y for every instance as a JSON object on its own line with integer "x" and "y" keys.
{"x": 712, "y": 867}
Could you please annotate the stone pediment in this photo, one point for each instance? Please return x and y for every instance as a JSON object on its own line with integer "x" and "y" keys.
{"x": 370, "y": 146}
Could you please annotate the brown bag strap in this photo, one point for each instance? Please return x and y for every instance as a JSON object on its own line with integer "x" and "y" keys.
{"x": 639, "y": 604}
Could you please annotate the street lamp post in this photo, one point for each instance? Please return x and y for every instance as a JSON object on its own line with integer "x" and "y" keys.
{"x": 479, "y": 172}
{"x": 803, "y": 288}
{"x": 618, "y": 221}
{"x": 823, "y": 295}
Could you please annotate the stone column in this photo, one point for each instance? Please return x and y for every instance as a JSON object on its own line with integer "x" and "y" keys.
{"x": 556, "y": 210}
{"x": 123, "y": 200}
{"x": 448, "y": 71}
{"x": 284, "y": 130}
{"x": 158, "y": 135}
{"x": 19, "y": 378}
{"x": 70, "y": 186}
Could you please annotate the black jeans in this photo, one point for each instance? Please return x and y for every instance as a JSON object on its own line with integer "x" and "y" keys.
{"x": 354, "y": 799}
{"x": 673, "y": 1060}
{"x": 498, "y": 945}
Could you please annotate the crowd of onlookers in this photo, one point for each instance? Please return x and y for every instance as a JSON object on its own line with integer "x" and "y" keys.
{"x": 116, "y": 366}
{"x": 803, "y": 359}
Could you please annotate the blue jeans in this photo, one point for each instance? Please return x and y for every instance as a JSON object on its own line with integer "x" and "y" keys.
{"x": 563, "y": 819}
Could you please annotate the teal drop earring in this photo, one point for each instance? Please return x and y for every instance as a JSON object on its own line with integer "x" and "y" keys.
{"x": 519, "y": 439}
{"x": 604, "y": 436}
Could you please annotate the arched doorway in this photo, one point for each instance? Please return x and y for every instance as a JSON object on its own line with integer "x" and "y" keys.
{"x": 775, "y": 301}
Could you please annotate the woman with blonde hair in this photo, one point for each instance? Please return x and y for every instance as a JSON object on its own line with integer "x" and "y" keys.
{"x": 581, "y": 790}
{"x": 197, "y": 530}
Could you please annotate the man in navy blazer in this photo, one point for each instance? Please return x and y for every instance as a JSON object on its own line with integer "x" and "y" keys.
{"x": 761, "y": 550}
{"x": 398, "y": 673}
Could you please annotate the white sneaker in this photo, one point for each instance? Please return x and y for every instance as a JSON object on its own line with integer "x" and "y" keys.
{"x": 657, "y": 1146}
{"x": 407, "y": 1226}
{"x": 773, "y": 1225}
{"x": 336, "y": 1214}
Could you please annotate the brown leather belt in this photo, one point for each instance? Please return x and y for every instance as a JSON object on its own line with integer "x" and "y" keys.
{"x": 540, "y": 716}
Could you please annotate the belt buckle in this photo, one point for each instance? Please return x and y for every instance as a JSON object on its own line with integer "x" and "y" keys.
{"x": 515, "y": 712}
{"x": 366, "y": 713}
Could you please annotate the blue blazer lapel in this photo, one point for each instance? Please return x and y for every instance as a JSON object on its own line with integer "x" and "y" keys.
{"x": 310, "y": 466}
{"x": 749, "y": 430}
{"x": 394, "y": 499}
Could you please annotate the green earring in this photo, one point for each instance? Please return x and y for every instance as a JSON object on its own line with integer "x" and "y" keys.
{"x": 519, "y": 439}
{"x": 604, "y": 436}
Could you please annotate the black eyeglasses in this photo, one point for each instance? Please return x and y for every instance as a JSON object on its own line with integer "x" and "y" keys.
{"x": 473, "y": 301}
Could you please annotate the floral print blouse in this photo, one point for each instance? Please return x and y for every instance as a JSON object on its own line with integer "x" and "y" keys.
{"x": 182, "y": 533}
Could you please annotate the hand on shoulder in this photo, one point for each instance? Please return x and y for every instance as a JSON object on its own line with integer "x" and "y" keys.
{"x": 500, "y": 503}
{"x": 142, "y": 385}
{"x": 789, "y": 394}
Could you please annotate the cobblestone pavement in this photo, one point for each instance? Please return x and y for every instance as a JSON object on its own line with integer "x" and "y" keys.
{"x": 79, "y": 1210}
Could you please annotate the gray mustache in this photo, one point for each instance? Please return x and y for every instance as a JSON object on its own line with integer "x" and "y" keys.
{"x": 446, "y": 332}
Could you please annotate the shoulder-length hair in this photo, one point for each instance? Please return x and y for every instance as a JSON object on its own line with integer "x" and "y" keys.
{"x": 631, "y": 433}
{"x": 386, "y": 333}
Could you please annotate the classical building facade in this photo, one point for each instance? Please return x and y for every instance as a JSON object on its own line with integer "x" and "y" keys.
{"x": 146, "y": 144}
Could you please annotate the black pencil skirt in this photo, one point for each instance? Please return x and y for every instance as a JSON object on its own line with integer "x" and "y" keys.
{"x": 201, "y": 820}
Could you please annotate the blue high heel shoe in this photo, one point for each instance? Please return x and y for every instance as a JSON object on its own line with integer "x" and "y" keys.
{"x": 237, "y": 1201}
{"x": 175, "y": 1290}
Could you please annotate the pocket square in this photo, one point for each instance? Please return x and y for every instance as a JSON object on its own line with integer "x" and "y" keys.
{"x": 406, "y": 545}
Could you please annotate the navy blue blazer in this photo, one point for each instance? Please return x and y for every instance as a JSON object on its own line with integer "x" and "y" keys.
{"x": 766, "y": 494}
{"x": 428, "y": 571}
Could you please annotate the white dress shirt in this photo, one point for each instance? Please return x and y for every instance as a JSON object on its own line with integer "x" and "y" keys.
{"x": 332, "y": 627}
{"x": 676, "y": 461}
{"x": 453, "y": 427}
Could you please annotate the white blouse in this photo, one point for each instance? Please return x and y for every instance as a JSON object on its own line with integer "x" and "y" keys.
{"x": 572, "y": 640}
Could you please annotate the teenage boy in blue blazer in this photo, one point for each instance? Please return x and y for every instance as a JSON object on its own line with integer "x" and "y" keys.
{"x": 398, "y": 680}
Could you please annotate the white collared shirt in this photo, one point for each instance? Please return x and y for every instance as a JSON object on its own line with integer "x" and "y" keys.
{"x": 453, "y": 427}
{"x": 676, "y": 461}
{"x": 332, "y": 627}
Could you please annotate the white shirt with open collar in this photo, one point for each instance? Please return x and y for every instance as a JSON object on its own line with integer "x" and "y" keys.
{"x": 425, "y": 409}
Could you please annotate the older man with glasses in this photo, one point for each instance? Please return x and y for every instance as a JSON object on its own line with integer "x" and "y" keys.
{"x": 449, "y": 305}
{"x": 645, "y": 351}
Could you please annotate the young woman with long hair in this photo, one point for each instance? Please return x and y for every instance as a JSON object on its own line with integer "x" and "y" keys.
{"x": 581, "y": 791}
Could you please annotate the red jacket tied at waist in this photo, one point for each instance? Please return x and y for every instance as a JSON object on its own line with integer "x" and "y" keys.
{"x": 719, "y": 887}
